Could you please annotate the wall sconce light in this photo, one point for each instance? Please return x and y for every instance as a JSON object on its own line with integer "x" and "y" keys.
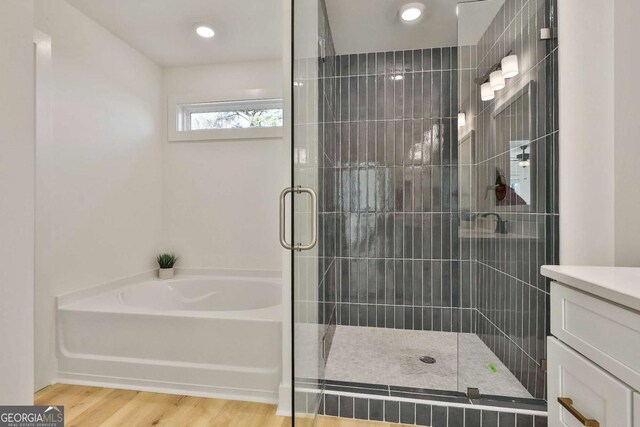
{"x": 509, "y": 66}
{"x": 486, "y": 93}
{"x": 462, "y": 119}
{"x": 496, "y": 80}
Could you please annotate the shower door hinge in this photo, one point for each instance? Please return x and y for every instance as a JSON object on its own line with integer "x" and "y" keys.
{"x": 547, "y": 34}
{"x": 473, "y": 393}
{"x": 543, "y": 365}
{"x": 322, "y": 44}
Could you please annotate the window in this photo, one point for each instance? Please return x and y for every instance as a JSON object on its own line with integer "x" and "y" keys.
{"x": 262, "y": 113}
{"x": 196, "y": 119}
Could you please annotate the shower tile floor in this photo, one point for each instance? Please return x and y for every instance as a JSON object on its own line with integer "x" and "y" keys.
{"x": 392, "y": 357}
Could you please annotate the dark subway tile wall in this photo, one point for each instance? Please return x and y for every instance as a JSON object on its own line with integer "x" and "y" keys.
{"x": 387, "y": 166}
{"x": 414, "y": 413}
{"x": 509, "y": 295}
{"x": 389, "y": 182}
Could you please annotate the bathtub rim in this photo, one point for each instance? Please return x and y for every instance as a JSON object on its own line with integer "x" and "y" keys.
{"x": 72, "y": 301}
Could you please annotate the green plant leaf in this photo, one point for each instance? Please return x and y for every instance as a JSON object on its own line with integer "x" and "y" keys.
{"x": 166, "y": 260}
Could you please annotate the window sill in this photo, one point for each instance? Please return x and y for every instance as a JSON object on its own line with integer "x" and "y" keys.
{"x": 225, "y": 134}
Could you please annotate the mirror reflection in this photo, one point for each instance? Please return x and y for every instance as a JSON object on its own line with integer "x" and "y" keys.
{"x": 512, "y": 124}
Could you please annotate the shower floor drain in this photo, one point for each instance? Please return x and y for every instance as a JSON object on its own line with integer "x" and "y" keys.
{"x": 428, "y": 359}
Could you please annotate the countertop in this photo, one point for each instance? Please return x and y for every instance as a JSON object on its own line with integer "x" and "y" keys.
{"x": 618, "y": 284}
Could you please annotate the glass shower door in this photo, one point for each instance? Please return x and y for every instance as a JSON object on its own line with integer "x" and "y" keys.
{"x": 308, "y": 325}
{"x": 507, "y": 187}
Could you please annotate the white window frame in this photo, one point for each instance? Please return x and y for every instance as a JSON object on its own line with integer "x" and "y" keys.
{"x": 179, "y": 120}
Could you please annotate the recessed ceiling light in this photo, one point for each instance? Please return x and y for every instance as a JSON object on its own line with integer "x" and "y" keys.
{"x": 204, "y": 31}
{"x": 411, "y": 12}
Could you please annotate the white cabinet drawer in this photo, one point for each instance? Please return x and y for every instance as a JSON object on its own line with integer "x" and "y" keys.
{"x": 594, "y": 393}
{"x": 603, "y": 332}
{"x": 636, "y": 410}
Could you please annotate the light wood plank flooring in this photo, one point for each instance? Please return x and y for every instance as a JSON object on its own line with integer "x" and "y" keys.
{"x": 94, "y": 406}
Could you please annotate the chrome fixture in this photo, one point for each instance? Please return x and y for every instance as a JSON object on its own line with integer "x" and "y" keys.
{"x": 462, "y": 119}
{"x": 546, "y": 34}
{"x": 314, "y": 219}
{"x": 322, "y": 47}
{"x": 501, "y": 224}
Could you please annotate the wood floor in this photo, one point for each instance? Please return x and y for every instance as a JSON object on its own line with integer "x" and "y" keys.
{"x": 93, "y": 406}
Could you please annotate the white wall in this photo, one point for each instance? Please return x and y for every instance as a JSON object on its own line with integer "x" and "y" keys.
{"x": 17, "y": 206}
{"x": 100, "y": 177}
{"x": 221, "y": 197}
{"x": 599, "y": 132}
{"x": 102, "y": 191}
{"x": 586, "y": 132}
{"x": 627, "y": 134}
{"x": 100, "y": 210}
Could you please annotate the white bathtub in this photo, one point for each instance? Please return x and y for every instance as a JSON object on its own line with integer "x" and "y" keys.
{"x": 204, "y": 335}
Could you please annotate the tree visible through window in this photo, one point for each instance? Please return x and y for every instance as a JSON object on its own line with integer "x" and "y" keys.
{"x": 256, "y": 113}
{"x": 236, "y": 119}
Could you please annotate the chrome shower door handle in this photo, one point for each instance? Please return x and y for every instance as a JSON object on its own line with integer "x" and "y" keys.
{"x": 283, "y": 232}
{"x": 314, "y": 219}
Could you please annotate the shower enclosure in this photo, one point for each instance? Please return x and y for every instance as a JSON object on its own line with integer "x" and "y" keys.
{"x": 422, "y": 301}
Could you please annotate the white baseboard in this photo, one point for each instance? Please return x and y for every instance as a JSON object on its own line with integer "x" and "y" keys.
{"x": 284, "y": 400}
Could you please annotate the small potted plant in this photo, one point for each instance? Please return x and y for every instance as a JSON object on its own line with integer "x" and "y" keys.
{"x": 166, "y": 262}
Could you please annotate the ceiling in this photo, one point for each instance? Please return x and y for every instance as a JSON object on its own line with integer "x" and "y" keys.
{"x": 474, "y": 18}
{"x": 360, "y": 26}
{"x": 163, "y": 29}
{"x": 248, "y": 30}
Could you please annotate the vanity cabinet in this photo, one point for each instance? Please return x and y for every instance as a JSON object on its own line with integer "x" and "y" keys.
{"x": 593, "y": 355}
{"x": 587, "y": 392}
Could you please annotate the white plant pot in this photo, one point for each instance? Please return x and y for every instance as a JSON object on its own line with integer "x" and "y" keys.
{"x": 166, "y": 273}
